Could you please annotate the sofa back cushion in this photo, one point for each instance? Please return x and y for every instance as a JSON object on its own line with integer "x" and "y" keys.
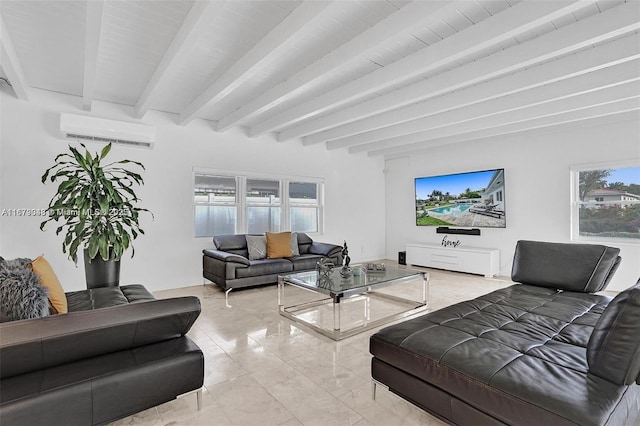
{"x": 304, "y": 242}
{"x": 236, "y": 244}
{"x": 40, "y": 343}
{"x": 586, "y": 268}
{"x": 613, "y": 352}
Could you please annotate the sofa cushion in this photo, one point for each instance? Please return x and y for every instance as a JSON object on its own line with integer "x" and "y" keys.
{"x": 49, "y": 280}
{"x": 544, "y": 264}
{"x": 235, "y": 243}
{"x": 104, "y": 297}
{"x": 613, "y": 352}
{"x": 21, "y": 295}
{"x": 35, "y": 344}
{"x": 103, "y": 388}
{"x": 265, "y": 267}
{"x": 278, "y": 244}
{"x": 304, "y": 242}
{"x": 305, "y": 262}
{"x": 257, "y": 246}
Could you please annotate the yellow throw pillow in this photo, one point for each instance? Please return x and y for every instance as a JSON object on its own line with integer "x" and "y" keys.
{"x": 278, "y": 245}
{"x": 49, "y": 280}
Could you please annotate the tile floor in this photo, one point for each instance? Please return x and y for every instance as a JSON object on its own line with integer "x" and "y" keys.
{"x": 261, "y": 369}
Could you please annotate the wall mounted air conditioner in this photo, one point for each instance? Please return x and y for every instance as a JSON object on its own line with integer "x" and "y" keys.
{"x": 86, "y": 128}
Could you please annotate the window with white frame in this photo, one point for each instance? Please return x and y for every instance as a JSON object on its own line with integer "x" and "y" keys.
{"x": 606, "y": 200}
{"x": 304, "y": 206}
{"x": 216, "y": 204}
{"x": 233, "y": 203}
{"x": 263, "y": 206}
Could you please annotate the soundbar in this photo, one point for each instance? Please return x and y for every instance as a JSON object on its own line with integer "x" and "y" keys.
{"x": 447, "y": 230}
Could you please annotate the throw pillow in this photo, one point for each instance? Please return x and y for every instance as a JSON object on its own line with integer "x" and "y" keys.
{"x": 49, "y": 280}
{"x": 21, "y": 295}
{"x": 278, "y": 244}
{"x": 295, "y": 250}
{"x": 257, "y": 246}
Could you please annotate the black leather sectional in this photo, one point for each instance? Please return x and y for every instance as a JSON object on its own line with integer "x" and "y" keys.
{"x": 228, "y": 265}
{"x": 545, "y": 351}
{"x": 117, "y": 352}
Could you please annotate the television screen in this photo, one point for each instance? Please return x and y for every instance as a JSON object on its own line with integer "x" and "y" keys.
{"x": 464, "y": 199}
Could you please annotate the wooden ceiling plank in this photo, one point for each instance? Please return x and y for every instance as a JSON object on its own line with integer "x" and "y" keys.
{"x": 408, "y": 18}
{"x": 193, "y": 26}
{"x": 11, "y": 65}
{"x": 594, "y": 30}
{"x": 621, "y": 108}
{"x": 586, "y": 61}
{"x": 253, "y": 60}
{"x": 518, "y": 19}
{"x": 93, "y": 30}
{"x": 601, "y": 79}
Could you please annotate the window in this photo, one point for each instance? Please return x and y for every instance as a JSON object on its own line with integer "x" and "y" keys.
{"x": 216, "y": 205}
{"x": 263, "y": 206}
{"x": 606, "y": 202}
{"x": 304, "y": 205}
{"x": 232, "y": 203}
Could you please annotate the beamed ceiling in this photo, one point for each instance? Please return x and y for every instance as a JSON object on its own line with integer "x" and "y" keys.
{"x": 376, "y": 77}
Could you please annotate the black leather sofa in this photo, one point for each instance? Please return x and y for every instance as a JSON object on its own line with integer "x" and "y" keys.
{"x": 117, "y": 352}
{"x": 543, "y": 352}
{"x": 228, "y": 265}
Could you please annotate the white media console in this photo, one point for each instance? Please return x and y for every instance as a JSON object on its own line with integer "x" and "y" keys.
{"x": 473, "y": 260}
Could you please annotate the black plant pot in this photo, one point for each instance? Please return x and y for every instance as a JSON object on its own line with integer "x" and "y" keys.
{"x": 101, "y": 273}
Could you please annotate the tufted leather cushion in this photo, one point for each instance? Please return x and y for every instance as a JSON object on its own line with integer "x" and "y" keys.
{"x": 613, "y": 352}
{"x": 544, "y": 264}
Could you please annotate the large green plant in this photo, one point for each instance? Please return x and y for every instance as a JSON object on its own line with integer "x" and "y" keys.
{"x": 96, "y": 202}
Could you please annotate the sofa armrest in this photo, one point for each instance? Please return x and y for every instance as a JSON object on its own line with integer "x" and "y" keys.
{"x": 35, "y": 344}
{"x": 325, "y": 249}
{"x": 226, "y": 257}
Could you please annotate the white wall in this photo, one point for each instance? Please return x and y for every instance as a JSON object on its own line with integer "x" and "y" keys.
{"x": 537, "y": 187}
{"x": 168, "y": 255}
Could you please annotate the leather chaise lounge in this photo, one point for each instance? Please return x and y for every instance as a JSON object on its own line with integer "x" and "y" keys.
{"x": 117, "y": 352}
{"x": 546, "y": 351}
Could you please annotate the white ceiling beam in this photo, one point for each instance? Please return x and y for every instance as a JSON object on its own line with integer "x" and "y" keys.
{"x": 199, "y": 18}
{"x": 562, "y": 105}
{"x": 593, "y": 30}
{"x": 252, "y": 61}
{"x": 416, "y": 14}
{"x": 95, "y": 11}
{"x": 11, "y": 65}
{"x": 603, "y": 56}
{"x": 609, "y": 109}
{"x": 498, "y": 28}
{"x": 602, "y": 79}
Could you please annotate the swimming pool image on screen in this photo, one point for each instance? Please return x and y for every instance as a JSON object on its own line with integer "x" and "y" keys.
{"x": 462, "y": 199}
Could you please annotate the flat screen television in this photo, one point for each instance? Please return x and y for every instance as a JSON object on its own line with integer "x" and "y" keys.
{"x": 463, "y": 199}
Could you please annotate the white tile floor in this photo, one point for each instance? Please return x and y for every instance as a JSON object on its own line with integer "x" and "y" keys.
{"x": 261, "y": 369}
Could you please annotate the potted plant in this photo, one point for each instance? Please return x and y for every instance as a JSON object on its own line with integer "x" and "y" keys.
{"x": 96, "y": 204}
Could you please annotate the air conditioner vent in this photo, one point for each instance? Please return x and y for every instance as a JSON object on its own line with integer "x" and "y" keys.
{"x": 86, "y": 128}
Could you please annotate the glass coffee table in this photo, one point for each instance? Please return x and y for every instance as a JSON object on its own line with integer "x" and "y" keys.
{"x": 383, "y": 296}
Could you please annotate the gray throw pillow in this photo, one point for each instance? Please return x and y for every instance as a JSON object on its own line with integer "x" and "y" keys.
{"x": 21, "y": 295}
{"x": 257, "y": 246}
{"x": 295, "y": 251}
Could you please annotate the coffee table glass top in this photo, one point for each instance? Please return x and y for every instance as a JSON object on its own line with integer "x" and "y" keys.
{"x": 333, "y": 284}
